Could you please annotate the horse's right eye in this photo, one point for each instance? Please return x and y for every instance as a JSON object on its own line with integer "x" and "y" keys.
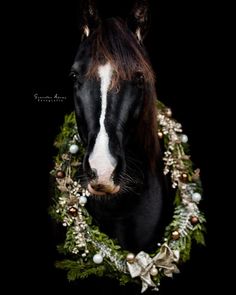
{"x": 74, "y": 76}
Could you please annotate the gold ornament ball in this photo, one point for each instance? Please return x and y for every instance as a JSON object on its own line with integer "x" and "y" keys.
{"x": 194, "y": 219}
{"x": 130, "y": 257}
{"x": 184, "y": 177}
{"x": 175, "y": 235}
{"x": 73, "y": 211}
{"x": 153, "y": 271}
{"x": 160, "y": 134}
{"x": 168, "y": 112}
{"x": 60, "y": 174}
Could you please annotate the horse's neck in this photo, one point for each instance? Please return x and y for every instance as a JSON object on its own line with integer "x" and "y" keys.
{"x": 134, "y": 219}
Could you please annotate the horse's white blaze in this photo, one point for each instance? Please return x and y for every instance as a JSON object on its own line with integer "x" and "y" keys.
{"x": 101, "y": 158}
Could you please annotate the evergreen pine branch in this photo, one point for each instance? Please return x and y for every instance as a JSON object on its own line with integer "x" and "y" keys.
{"x": 186, "y": 249}
{"x": 198, "y": 236}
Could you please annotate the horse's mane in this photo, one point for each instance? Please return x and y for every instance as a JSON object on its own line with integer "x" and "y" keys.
{"x": 114, "y": 42}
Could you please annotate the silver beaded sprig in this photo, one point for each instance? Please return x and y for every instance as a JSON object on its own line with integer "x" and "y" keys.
{"x": 118, "y": 261}
{"x": 80, "y": 236}
{"x": 174, "y": 154}
{"x": 71, "y": 202}
{"x": 174, "y": 164}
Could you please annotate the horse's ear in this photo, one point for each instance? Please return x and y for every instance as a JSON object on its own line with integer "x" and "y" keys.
{"x": 139, "y": 18}
{"x": 90, "y": 17}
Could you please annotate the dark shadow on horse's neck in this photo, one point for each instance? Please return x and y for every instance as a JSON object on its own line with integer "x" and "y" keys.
{"x": 136, "y": 218}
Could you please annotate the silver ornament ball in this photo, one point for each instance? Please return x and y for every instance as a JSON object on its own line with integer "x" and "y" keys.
{"x": 196, "y": 197}
{"x": 82, "y": 200}
{"x": 73, "y": 149}
{"x": 97, "y": 258}
{"x": 184, "y": 138}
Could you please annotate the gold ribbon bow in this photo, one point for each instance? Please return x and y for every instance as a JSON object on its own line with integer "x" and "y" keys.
{"x": 143, "y": 263}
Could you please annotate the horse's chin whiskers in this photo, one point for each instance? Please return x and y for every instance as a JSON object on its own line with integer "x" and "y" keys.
{"x": 128, "y": 183}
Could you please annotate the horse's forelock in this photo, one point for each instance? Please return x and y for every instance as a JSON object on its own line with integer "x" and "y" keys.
{"x": 113, "y": 42}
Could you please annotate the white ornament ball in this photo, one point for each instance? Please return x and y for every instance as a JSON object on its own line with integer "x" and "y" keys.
{"x": 130, "y": 257}
{"x": 184, "y": 138}
{"x": 196, "y": 197}
{"x": 153, "y": 271}
{"x": 97, "y": 258}
{"x": 73, "y": 148}
{"x": 82, "y": 200}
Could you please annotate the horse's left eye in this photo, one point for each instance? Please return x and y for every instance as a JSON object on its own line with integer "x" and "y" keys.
{"x": 139, "y": 79}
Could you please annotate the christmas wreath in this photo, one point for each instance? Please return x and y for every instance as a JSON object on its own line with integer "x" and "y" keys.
{"x": 90, "y": 251}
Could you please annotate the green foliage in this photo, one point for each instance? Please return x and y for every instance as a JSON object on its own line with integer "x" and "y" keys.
{"x": 198, "y": 236}
{"x": 70, "y": 240}
{"x": 160, "y": 105}
{"x": 103, "y": 238}
{"x": 185, "y": 248}
{"x": 64, "y": 138}
{"x": 79, "y": 269}
{"x": 124, "y": 279}
{"x": 68, "y": 130}
{"x": 177, "y": 200}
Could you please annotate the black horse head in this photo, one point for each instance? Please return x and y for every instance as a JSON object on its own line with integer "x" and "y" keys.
{"x": 115, "y": 102}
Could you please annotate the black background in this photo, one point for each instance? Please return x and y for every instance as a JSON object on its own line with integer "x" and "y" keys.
{"x": 179, "y": 45}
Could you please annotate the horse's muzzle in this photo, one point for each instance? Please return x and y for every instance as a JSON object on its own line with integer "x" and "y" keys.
{"x": 101, "y": 189}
